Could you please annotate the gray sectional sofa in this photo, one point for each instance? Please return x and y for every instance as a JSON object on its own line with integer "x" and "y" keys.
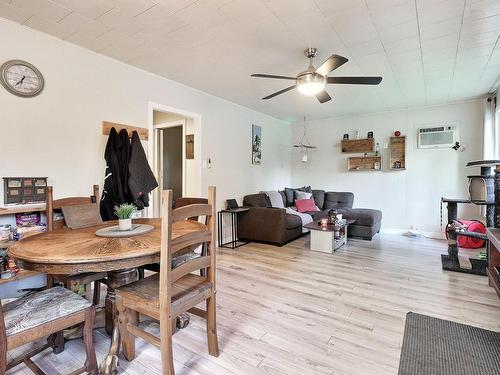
{"x": 264, "y": 223}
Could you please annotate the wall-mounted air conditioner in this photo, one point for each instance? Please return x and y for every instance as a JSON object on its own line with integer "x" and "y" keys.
{"x": 437, "y": 137}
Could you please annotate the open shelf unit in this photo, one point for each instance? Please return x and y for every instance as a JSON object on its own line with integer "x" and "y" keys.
{"x": 353, "y": 146}
{"x": 364, "y": 163}
{"x": 397, "y": 152}
{"x": 12, "y": 210}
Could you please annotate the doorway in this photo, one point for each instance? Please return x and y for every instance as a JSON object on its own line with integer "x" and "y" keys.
{"x": 177, "y": 166}
{"x": 171, "y": 171}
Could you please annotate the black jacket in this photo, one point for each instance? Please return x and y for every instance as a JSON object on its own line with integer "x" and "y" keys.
{"x": 117, "y": 156}
{"x": 141, "y": 180}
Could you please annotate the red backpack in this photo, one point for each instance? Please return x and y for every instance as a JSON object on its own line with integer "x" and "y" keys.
{"x": 469, "y": 242}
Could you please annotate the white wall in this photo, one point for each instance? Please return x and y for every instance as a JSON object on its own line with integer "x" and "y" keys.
{"x": 406, "y": 198}
{"x": 58, "y": 133}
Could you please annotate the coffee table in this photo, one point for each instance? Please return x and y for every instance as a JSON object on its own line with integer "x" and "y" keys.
{"x": 328, "y": 238}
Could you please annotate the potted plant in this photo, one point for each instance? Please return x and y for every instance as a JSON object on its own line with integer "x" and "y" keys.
{"x": 124, "y": 212}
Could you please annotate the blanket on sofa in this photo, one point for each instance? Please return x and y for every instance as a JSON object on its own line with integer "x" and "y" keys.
{"x": 306, "y": 218}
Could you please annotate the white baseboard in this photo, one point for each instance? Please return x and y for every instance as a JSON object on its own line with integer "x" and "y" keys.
{"x": 399, "y": 231}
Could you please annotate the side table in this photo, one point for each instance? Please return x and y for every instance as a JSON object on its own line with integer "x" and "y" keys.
{"x": 234, "y": 243}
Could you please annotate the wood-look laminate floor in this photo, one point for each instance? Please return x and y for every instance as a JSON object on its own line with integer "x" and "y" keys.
{"x": 288, "y": 310}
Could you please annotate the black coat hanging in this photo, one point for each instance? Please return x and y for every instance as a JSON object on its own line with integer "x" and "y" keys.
{"x": 141, "y": 179}
{"x": 116, "y": 191}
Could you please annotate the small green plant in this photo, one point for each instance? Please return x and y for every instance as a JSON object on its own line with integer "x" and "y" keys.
{"x": 125, "y": 210}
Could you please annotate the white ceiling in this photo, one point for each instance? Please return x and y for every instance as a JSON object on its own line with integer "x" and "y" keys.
{"x": 428, "y": 51}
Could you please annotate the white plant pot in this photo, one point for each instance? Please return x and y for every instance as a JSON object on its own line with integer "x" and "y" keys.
{"x": 125, "y": 224}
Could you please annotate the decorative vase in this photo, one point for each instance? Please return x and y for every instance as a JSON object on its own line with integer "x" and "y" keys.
{"x": 331, "y": 216}
{"x": 125, "y": 224}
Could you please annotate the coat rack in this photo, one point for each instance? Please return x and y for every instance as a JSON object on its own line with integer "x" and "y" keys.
{"x": 143, "y": 132}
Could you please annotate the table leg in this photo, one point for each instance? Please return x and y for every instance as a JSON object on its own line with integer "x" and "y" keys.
{"x": 110, "y": 364}
{"x": 115, "y": 280}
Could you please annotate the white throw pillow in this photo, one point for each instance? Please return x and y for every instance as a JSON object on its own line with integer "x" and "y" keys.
{"x": 275, "y": 199}
{"x": 302, "y": 195}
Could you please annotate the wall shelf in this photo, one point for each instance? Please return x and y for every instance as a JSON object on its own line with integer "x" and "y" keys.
{"x": 352, "y": 146}
{"x": 11, "y": 210}
{"x": 364, "y": 163}
{"x": 397, "y": 153}
{"x": 142, "y": 132}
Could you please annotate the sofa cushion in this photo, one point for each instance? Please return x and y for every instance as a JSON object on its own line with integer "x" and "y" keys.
{"x": 256, "y": 200}
{"x": 319, "y": 198}
{"x": 318, "y": 215}
{"x": 290, "y": 194}
{"x": 363, "y": 216}
{"x": 337, "y": 200}
{"x": 292, "y": 221}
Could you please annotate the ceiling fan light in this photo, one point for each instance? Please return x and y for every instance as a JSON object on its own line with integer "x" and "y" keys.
{"x": 311, "y": 88}
{"x": 304, "y": 157}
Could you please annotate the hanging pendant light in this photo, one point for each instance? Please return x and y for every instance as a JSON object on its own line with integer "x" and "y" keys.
{"x": 304, "y": 145}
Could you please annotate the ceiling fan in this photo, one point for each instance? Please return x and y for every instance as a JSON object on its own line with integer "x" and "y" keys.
{"x": 312, "y": 82}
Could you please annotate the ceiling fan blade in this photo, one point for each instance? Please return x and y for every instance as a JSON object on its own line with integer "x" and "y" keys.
{"x": 271, "y": 76}
{"x": 279, "y": 92}
{"x": 323, "y": 96}
{"x": 332, "y": 63}
{"x": 355, "y": 80}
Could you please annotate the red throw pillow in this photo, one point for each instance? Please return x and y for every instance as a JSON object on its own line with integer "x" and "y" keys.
{"x": 306, "y": 205}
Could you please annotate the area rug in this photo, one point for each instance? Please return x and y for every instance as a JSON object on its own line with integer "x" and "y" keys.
{"x": 434, "y": 346}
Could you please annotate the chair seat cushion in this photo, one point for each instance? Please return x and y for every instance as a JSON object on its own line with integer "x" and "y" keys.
{"x": 41, "y": 307}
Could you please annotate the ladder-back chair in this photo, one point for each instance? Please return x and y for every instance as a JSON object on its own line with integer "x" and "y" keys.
{"x": 74, "y": 282}
{"x": 184, "y": 253}
{"x": 45, "y": 313}
{"x": 173, "y": 291}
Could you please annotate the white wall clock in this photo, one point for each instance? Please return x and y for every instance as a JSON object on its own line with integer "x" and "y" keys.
{"x": 21, "y": 78}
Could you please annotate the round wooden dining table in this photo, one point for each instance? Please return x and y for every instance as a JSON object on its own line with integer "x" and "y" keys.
{"x": 73, "y": 251}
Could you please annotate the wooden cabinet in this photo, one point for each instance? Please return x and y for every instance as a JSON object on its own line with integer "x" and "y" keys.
{"x": 397, "y": 153}
{"x": 494, "y": 258}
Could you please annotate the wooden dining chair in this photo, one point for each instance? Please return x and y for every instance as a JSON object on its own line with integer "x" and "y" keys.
{"x": 186, "y": 253}
{"x": 40, "y": 314}
{"x": 74, "y": 282}
{"x": 173, "y": 291}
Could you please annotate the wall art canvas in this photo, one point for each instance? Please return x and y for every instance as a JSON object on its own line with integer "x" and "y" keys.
{"x": 256, "y": 144}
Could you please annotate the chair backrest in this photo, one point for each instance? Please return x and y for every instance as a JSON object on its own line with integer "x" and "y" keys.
{"x": 57, "y": 204}
{"x": 187, "y": 234}
{"x": 186, "y": 201}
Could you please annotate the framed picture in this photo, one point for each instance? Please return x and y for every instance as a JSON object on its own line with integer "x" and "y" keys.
{"x": 190, "y": 146}
{"x": 370, "y": 135}
{"x": 256, "y": 144}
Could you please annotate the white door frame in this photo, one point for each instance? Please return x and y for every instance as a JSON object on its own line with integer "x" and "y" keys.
{"x": 158, "y": 161}
{"x": 152, "y": 106}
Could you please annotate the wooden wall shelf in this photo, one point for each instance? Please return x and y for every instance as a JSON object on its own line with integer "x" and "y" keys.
{"x": 352, "y": 146}
{"x": 397, "y": 150}
{"x": 143, "y": 132}
{"x": 364, "y": 163}
{"x": 11, "y": 210}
